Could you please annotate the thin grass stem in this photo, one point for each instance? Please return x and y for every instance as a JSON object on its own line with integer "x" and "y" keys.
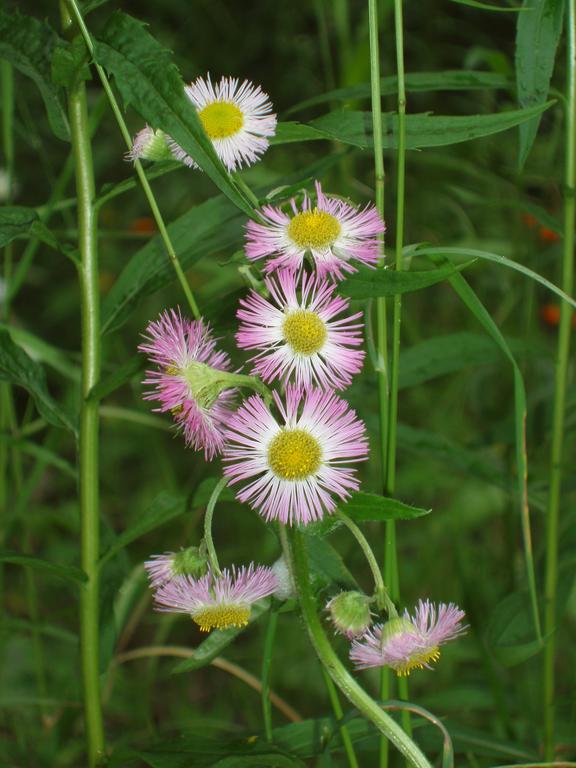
{"x": 269, "y": 639}
{"x": 560, "y": 388}
{"x": 137, "y": 165}
{"x": 208, "y": 517}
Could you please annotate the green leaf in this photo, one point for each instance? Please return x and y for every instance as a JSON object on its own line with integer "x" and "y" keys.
{"x": 326, "y": 563}
{"x": 205, "y": 489}
{"x": 40, "y": 350}
{"x": 363, "y": 507}
{"x": 165, "y": 507}
{"x": 16, "y": 221}
{"x": 538, "y": 31}
{"x": 416, "y": 82}
{"x": 369, "y": 283}
{"x": 67, "y": 572}
{"x": 27, "y": 44}
{"x": 45, "y": 454}
{"x": 17, "y": 367}
{"x": 212, "y": 227}
{"x": 117, "y": 378}
{"x": 487, "y": 6}
{"x": 217, "y": 641}
{"x": 510, "y": 631}
{"x": 148, "y": 79}
{"x": 421, "y": 130}
{"x": 503, "y": 261}
{"x": 70, "y": 63}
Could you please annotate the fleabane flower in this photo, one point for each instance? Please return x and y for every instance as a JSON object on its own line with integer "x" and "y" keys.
{"x": 187, "y": 562}
{"x": 217, "y": 602}
{"x": 192, "y": 379}
{"x": 237, "y": 118}
{"x": 409, "y": 642}
{"x": 149, "y": 144}
{"x": 291, "y": 470}
{"x": 334, "y": 233}
{"x": 300, "y": 332}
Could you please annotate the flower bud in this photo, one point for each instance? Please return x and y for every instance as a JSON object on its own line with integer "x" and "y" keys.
{"x": 350, "y": 613}
{"x": 149, "y": 144}
{"x": 187, "y": 562}
{"x": 285, "y": 589}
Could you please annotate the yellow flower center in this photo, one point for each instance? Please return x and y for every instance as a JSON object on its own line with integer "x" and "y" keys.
{"x": 222, "y": 616}
{"x": 221, "y": 119}
{"x": 418, "y": 661}
{"x": 294, "y": 454}
{"x": 314, "y": 229}
{"x": 304, "y": 331}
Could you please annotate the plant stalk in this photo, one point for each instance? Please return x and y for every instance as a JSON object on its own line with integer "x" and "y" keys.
{"x": 266, "y": 667}
{"x": 208, "y": 540}
{"x": 339, "y": 715}
{"x": 561, "y": 380}
{"x": 89, "y": 417}
{"x": 339, "y": 674}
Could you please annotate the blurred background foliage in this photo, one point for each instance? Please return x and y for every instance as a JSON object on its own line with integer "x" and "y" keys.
{"x": 456, "y": 441}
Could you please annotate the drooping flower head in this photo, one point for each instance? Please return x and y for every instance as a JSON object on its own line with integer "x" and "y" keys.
{"x": 299, "y": 334}
{"x": 149, "y": 144}
{"x": 291, "y": 471}
{"x": 409, "y": 642}
{"x": 217, "y": 602}
{"x": 191, "y": 380}
{"x": 187, "y": 562}
{"x": 237, "y": 118}
{"x": 332, "y": 232}
{"x": 350, "y": 613}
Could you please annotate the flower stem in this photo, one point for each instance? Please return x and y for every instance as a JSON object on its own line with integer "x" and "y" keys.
{"x": 381, "y": 591}
{"x": 562, "y": 360}
{"x": 339, "y": 714}
{"x": 89, "y": 417}
{"x": 339, "y": 674}
{"x": 137, "y": 164}
{"x": 212, "y": 556}
{"x": 266, "y": 666}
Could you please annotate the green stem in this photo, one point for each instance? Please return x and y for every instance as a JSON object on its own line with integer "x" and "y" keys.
{"x": 137, "y": 164}
{"x": 339, "y": 674}
{"x": 212, "y": 556}
{"x": 391, "y": 552}
{"x": 562, "y": 360}
{"x": 266, "y": 667}
{"x": 339, "y": 714}
{"x": 89, "y": 417}
{"x": 381, "y": 591}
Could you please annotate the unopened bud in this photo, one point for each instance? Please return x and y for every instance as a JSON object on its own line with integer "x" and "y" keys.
{"x": 149, "y": 144}
{"x": 350, "y": 613}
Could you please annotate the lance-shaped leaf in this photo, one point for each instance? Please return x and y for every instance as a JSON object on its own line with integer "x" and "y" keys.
{"x": 537, "y": 34}
{"x": 149, "y": 80}
{"x": 28, "y": 43}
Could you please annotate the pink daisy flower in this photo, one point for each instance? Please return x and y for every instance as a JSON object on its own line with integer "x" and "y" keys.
{"x": 238, "y": 119}
{"x": 217, "y": 602}
{"x": 409, "y": 642}
{"x": 189, "y": 381}
{"x": 291, "y": 470}
{"x": 297, "y": 332}
{"x": 333, "y": 232}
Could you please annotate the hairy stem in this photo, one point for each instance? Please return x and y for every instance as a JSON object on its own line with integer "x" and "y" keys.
{"x": 89, "y": 417}
{"x": 339, "y": 674}
{"x": 339, "y": 714}
{"x": 562, "y": 360}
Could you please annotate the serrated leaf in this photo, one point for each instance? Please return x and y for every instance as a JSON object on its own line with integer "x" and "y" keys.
{"x": 422, "y": 131}
{"x": 165, "y": 507}
{"x": 67, "y": 572}
{"x": 364, "y": 507}
{"x": 70, "y": 63}
{"x": 217, "y": 641}
{"x": 148, "y": 79}
{"x": 16, "y": 221}
{"x": 16, "y": 366}
{"x": 27, "y": 44}
{"x": 416, "y": 82}
{"x": 538, "y": 31}
{"x": 369, "y": 283}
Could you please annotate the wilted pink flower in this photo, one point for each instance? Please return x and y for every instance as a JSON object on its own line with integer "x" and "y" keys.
{"x": 191, "y": 379}
{"x": 291, "y": 470}
{"x": 237, "y": 119}
{"x": 333, "y": 232}
{"x": 298, "y": 335}
{"x": 217, "y": 602}
{"x": 409, "y": 642}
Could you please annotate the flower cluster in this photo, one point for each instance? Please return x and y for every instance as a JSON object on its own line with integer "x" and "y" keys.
{"x": 290, "y": 453}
